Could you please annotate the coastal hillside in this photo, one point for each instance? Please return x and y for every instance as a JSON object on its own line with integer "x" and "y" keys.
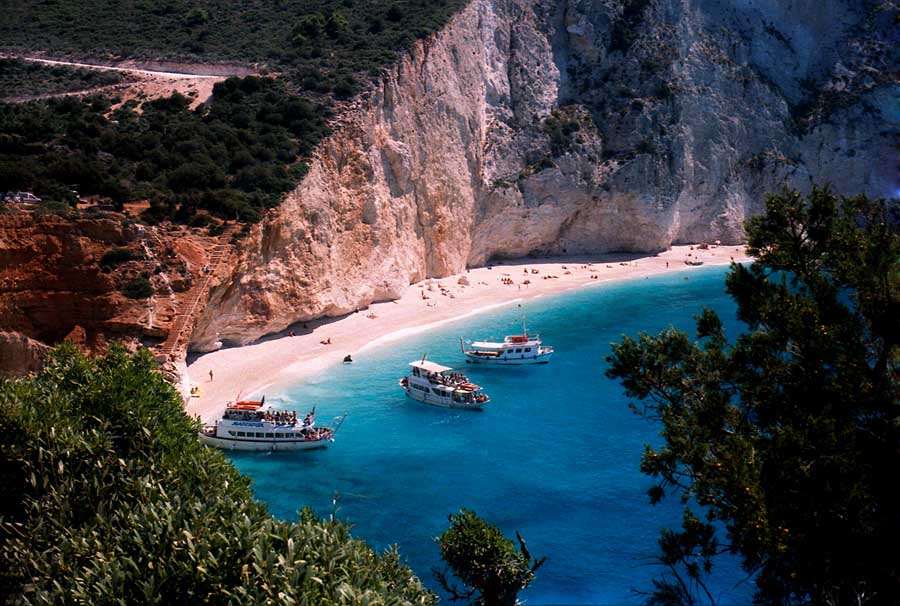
{"x": 564, "y": 127}
{"x": 137, "y": 184}
{"x": 381, "y": 144}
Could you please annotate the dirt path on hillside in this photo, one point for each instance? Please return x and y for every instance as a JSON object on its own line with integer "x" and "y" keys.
{"x": 131, "y": 70}
{"x": 144, "y": 83}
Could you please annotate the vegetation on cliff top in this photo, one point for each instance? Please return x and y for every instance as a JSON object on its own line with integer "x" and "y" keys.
{"x": 320, "y": 44}
{"x": 233, "y": 157}
{"x": 23, "y": 79}
{"x": 788, "y": 439}
{"x": 107, "y": 497}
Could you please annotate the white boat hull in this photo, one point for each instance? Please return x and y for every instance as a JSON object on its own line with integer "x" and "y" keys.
{"x": 271, "y": 445}
{"x": 433, "y": 400}
{"x": 472, "y": 358}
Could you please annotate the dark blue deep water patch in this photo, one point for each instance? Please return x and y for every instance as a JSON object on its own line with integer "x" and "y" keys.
{"x": 555, "y": 455}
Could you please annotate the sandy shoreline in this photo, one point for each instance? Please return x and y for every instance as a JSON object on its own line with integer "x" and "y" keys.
{"x": 283, "y": 360}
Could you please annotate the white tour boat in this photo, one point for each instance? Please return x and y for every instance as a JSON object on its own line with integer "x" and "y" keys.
{"x": 247, "y": 425}
{"x": 513, "y": 351}
{"x": 431, "y": 383}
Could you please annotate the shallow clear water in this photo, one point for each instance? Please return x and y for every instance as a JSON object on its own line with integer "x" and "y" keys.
{"x": 555, "y": 455}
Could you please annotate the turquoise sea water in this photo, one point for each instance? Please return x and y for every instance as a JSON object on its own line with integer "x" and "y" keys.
{"x": 555, "y": 455}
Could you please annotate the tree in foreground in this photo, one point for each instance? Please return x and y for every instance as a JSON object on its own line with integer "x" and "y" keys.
{"x": 106, "y": 497}
{"x": 787, "y": 441}
{"x": 486, "y": 561}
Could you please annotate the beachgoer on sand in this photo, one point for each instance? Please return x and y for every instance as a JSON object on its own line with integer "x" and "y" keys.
{"x": 210, "y": 376}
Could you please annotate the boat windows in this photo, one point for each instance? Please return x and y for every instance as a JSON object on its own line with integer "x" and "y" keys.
{"x": 438, "y": 392}
{"x": 518, "y": 350}
{"x": 270, "y": 435}
{"x": 260, "y": 435}
{"x": 509, "y": 351}
{"x": 527, "y": 349}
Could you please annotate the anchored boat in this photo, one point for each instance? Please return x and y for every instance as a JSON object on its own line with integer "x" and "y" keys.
{"x": 513, "y": 351}
{"x": 249, "y": 425}
{"x": 434, "y": 384}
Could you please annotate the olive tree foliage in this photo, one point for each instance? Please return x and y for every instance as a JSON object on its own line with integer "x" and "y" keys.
{"x": 784, "y": 444}
{"x": 485, "y": 561}
{"x": 106, "y": 497}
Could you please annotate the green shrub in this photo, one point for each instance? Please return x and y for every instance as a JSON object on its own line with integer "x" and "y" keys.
{"x": 116, "y": 256}
{"x": 216, "y": 229}
{"x": 106, "y": 497}
{"x": 200, "y": 220}
{"x": 138, "y": 288}
{"x": 485, "y": 561}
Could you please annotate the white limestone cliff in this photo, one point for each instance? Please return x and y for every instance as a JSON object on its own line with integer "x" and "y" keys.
{"x": 565, "y": 127}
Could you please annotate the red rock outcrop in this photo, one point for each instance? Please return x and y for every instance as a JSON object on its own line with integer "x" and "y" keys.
{"x": 55, "y": 285}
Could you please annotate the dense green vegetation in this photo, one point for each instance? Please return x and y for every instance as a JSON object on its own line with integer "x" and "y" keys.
{"x": 107, "y": 497}
{"x": 233, "y": 157}
{"x": 321, "y": 44}
{"x": 491, "y": 567}
{"x": 787, "y": 439}
{"x": 21, "y": 79}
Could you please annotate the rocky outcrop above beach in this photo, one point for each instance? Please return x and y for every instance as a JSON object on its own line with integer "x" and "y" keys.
{"x": 86, "y": 279}
{"x": 571, "y": 126}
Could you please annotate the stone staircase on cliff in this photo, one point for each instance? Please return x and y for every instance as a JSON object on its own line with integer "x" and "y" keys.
{"x": 193, "y": 305}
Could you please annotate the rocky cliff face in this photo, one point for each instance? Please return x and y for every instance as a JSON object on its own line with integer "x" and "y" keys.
{"x": 70, "y": 278}
{"x": 572, "y": 126}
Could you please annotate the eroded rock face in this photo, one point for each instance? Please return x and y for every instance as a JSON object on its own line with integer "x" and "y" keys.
{"x": 50, "y": 277}
{"x": 571, "y": 126}
{"x": 68, "y": 278}
{"x": 20, "y": 355}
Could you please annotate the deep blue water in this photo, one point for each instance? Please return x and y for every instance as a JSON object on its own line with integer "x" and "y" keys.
{"x": 555, "y": 455}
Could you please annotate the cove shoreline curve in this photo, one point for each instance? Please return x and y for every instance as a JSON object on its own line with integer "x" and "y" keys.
{"x": 281, "y": 360}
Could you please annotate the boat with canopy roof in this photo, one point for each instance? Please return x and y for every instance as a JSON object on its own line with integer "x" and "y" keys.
{"x": 434, "y": 384}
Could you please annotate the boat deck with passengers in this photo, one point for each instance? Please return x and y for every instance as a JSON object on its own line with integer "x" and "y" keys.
{"x": 250, "y": 425}
{"x": 435, "y": 384}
